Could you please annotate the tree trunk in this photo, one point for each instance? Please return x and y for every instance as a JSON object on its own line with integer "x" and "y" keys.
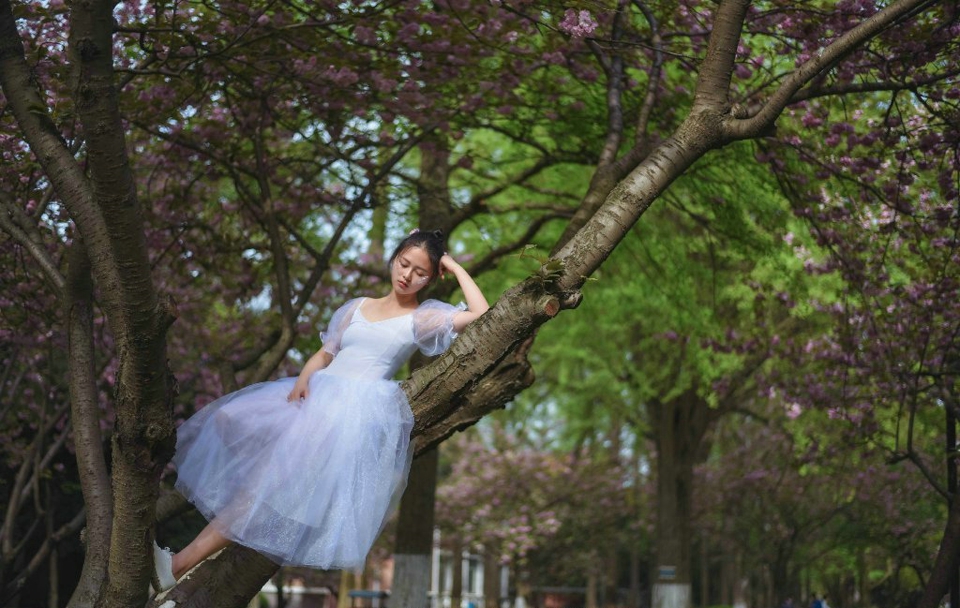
{"x": 704, "y": 573}
{"x": 778, "y": 573}
{"x": 863, "y": 573}
{"x": 592, "y": 587}
{"x": 53, "y": 561}
{"x": 948, "y": 558}
{"x": 950, "y": 452}
{"x": 679, "y": 426}
{"x": 456, "y": 589}
{"x": 740, "y": 583}
{"x": 611, "y": 571}
{"x": 634, "y": 600}
{"x": 278, "y": 582}
{"x": 348, "y": 582}
{"x": 85, "y": 416}
{"x": 491, "y": 578}
{"x": 414, "y": 544}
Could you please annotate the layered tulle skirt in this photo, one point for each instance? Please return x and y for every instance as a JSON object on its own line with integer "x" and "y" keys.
{"x": 307, "y": 482}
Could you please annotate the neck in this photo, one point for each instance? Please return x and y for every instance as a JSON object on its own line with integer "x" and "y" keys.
{"x": 403, "y": 300}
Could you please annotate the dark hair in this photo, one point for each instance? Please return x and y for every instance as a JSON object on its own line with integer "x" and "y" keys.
{"x": 430, "y": 241}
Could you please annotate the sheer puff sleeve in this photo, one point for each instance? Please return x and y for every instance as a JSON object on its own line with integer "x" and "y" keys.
{"x": 433, "y": 326}
{"x": 338, "y": 324}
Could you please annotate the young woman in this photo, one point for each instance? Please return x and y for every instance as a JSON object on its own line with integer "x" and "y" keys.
{"x": 306, "y": 470}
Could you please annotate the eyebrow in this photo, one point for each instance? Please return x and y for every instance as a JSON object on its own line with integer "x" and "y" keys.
{"x": 415, "y": 266}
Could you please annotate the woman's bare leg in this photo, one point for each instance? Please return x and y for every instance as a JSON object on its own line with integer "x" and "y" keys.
{"x": 208, "y": 542}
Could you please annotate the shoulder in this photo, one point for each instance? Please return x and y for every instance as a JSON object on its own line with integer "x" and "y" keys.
{"x": 353, "y": 303}
{"x": 347, "y": 308}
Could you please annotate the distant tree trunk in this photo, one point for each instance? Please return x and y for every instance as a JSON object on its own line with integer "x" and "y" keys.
{"x": 278, "y": 583}
{"x": 349, "y": 580}
{"x": 634, "y": 599}
{"x": 491, "y": 578}
{"x": 951, "y": 450}
{"x": 592, "y": 576}
{"x": 768, "y": 591}
{"x": 456, "y": 588}
{"x": 862, "y": 576}
{"x": 53, "y": 595}
{"x": 378, "y": 232}
{"x": 726, "y": 579}
{"x": 779, "y": 574}
{"x": 944, "y": 578}
{"x": 947, "y": 561}
{"x": 704, "y": 573}
{"x": 679, "y": 426}
{"x": 414, "y": 544}
{"x": 740, "y": 583}
{"x": 611, "y": 577}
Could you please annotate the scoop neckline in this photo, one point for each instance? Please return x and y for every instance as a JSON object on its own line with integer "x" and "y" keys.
{"x": 368, "y": 320}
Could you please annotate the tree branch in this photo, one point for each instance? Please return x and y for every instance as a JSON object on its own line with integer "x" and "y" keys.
{"x": 827, "y": 57}
{"x": 29, "y": 241}
{"x": 69, "y": 529}
{"x": 85, "y": 417}
{"x": 713, "y": 84}
{"x": 653, "y": 76}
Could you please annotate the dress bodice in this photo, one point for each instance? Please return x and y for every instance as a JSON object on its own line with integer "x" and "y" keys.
{"x": 377, "y": 349}
{"x": 374, "y": 349}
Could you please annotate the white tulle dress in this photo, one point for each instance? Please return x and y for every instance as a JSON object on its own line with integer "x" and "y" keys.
{"x": 311, "y": 482}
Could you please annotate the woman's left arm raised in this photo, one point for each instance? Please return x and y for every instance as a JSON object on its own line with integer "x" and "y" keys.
{"x": 476, "y": 303}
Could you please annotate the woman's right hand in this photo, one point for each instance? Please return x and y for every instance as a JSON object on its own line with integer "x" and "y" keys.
{"x": 447, "y": 264}
{"x": 300, "y": 390}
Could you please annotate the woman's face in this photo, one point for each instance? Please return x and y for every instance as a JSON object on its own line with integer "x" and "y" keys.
{"x": 411, "y": 270}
